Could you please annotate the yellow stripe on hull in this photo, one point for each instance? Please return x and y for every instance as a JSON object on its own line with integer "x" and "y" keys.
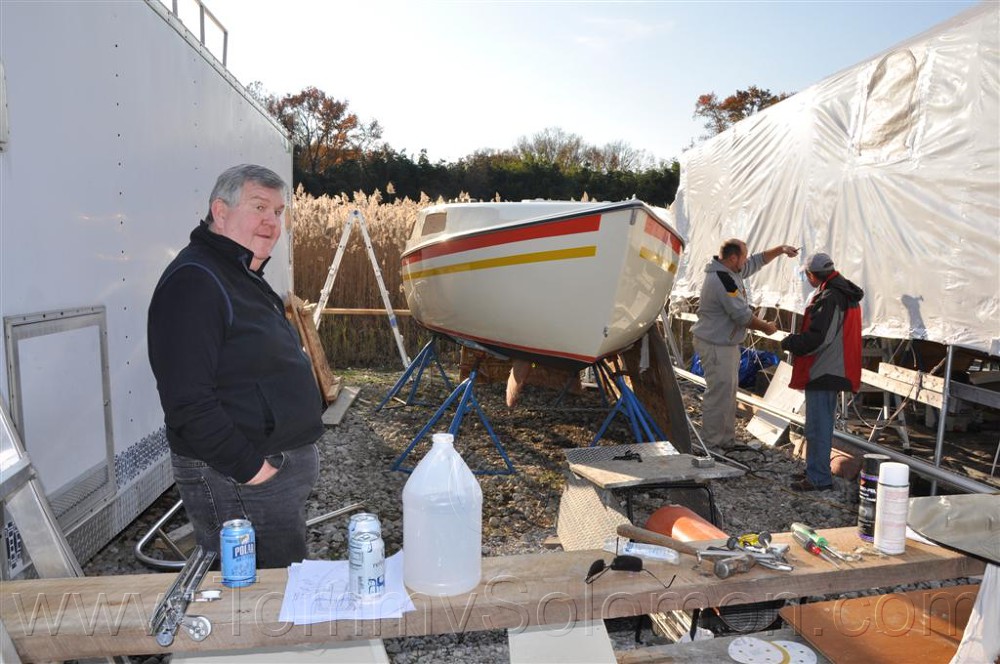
{"x": 658, "y": 259}
{"x": 504, "y": 261}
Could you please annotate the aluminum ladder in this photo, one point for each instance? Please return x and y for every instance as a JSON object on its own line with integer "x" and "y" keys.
{"x": 24, "y": 497}
{"x": 357, "y": 218}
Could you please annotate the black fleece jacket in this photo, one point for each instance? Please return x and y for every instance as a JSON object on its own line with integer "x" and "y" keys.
{"x": 234, "y": 382}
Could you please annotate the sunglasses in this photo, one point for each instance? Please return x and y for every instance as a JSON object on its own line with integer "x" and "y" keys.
{"x": 621, "y": 564}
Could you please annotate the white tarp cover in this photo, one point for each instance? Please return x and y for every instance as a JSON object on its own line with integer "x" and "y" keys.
{"x": 891, "y": 166}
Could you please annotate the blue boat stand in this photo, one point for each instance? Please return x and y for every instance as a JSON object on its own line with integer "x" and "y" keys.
{"x": 423, "y": 359}
{"x": 466, "y": 396}
{"x": 641, "y": 423}
{"x": 643, "y": 426}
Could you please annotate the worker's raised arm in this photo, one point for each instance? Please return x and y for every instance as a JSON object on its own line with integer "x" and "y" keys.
{"x": 772, "y": 253}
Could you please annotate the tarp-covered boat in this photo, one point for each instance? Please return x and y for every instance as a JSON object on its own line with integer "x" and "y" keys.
{"x": 557, "y": 282}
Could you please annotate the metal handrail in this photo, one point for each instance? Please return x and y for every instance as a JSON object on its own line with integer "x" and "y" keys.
{"x": 204, "y": 11}
{"x": 157, "y": 530}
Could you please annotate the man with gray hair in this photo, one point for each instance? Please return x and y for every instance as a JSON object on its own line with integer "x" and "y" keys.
{"x": 826, "y": 360}
{"x": 724, "y": 316}
{"x": 241, "y": 407}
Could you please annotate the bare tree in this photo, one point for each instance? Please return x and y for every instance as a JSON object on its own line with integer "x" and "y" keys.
{"x": 552, "y": 146}
{"x": 617, "y": 156}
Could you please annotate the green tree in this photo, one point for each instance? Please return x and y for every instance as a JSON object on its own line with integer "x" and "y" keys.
{"x": 721, "y": 115}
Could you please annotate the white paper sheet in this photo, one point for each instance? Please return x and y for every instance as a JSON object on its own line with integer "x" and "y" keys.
{"x": 317, "y": 592}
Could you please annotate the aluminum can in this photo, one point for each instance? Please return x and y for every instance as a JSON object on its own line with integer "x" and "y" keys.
{"x": 238, "y": 546}
{"x": 363, "y": 522}
{"x": 366, "y": 575}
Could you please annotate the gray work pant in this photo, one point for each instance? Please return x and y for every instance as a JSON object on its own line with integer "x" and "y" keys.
{"x": 718, "y": 410}
{"x": 276, "y": 508}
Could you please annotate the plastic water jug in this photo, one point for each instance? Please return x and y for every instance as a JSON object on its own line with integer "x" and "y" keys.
{"x": 442, "y": 523}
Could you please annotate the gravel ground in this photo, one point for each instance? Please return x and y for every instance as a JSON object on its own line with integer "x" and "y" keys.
{"x": 519, "y": 511}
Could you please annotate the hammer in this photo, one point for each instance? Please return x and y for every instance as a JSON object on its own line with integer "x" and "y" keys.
{"x": 637, "y": 534}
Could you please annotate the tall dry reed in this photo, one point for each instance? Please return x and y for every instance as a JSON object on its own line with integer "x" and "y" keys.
{"x": 318, "y": 223}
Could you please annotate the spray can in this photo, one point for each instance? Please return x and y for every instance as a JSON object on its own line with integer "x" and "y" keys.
{"x": 891, "y": 506}
{"x": 868, "y": 494}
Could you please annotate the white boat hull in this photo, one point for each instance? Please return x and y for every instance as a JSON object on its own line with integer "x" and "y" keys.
{"x": 567, "y": 282}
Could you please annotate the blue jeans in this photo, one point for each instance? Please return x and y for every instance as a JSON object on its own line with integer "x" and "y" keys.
{"x": 276, "y": 508}
{"x": 820, "y": 408}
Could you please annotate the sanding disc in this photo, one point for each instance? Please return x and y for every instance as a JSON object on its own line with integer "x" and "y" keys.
{"x": 751, "y": 650}
{"x": 799, "y": 652}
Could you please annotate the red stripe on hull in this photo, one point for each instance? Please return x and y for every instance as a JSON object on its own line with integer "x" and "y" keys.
{"x": 662, "y": 233}
{"x": 573, "y": 226}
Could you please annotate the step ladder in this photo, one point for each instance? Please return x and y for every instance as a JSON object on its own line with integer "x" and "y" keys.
{"x": 22, "y": 494}
{"x": 357, "y": 218}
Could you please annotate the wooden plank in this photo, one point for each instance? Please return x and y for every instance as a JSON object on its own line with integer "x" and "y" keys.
{"x": 329, "y": 384}
{"x": 767, "y": 427}
{"x": 973, "y": 394}
{"x": 984, "y": 377}
{"x": 657, "y": 389}
{"x": 335, "y": 413}
{"x": 60, "y": 619}
{"x": 925, "y": 388}
{"x": 918, "y": 626}
{"x": 933, "y": 383}
{"x": 709, "y": 650}
{"x": 334, "y": 311}
{"x": 902, "y": 388}
{"x": 612, "y": 474}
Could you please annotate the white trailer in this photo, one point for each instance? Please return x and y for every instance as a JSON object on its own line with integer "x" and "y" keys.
{"x": 115, "y": 122}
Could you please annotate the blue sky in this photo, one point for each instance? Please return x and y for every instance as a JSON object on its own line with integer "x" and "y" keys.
{"x": 453, "y": 77}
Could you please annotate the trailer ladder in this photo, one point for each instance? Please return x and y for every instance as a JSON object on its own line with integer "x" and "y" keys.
{"x": 21, "y": 492}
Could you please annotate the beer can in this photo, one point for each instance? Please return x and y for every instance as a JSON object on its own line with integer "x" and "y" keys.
{"x": 363, "y": 522}
{"x": 238, "y": 546}
{"x": 366, "y": 575}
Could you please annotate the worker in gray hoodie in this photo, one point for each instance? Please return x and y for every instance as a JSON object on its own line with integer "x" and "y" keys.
{"x": 724, "y": 316}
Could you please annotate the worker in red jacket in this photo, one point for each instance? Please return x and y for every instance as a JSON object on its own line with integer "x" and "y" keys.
{"x": 826, "y": 361}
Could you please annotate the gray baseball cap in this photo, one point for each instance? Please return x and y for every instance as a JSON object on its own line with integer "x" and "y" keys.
{"x": 819, "y": 262}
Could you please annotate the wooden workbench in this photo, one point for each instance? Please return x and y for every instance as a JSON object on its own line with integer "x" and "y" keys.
{"x": 59, "y": 619}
